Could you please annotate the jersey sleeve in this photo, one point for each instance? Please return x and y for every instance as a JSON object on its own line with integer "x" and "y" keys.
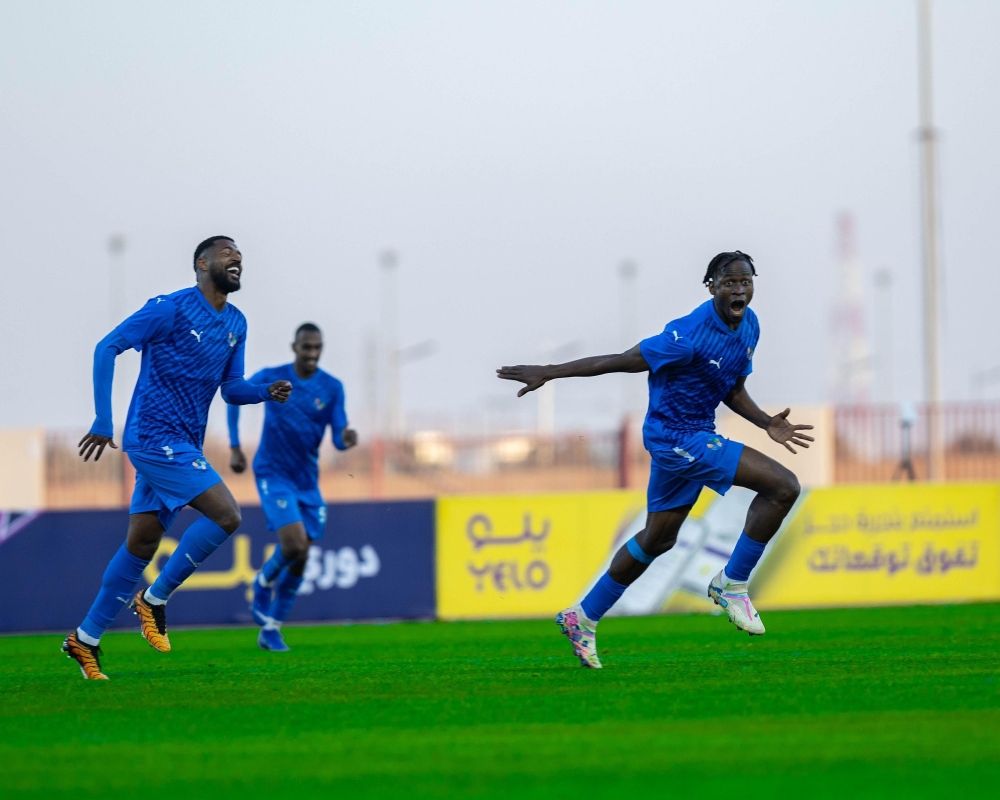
{"x": 236, "y": 390}
{"x": 108, "y": 349}
{"x": 667, "y": 349}
{"x": 338, "y": 417}
{"x": 233, "y": 411}
{"x": 151, "y": 323}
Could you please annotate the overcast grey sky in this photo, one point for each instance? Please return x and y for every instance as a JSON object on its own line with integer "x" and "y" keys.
{"x": 512, "y": 153}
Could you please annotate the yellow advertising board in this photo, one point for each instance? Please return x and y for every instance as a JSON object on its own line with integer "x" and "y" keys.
{"x": 524, "y": 555}
{"x": 883, "y": 545}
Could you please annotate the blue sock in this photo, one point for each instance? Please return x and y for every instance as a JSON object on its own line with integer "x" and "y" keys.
{"x": 745, "y": 556}
{"x": 273, "y": 566}
{"x": 119, "y": 581}
{"x": 604, "y": 595}
{"x": 198, "y": 543}
{"x": 284, "y": 596}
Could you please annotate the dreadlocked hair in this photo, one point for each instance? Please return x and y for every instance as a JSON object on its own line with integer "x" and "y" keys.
{"x": 721, "y": 261}
{"x": 199, "y": 251}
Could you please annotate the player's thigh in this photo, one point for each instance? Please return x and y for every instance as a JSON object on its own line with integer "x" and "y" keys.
{"x": 313, "y": 511}
{"x": 764, "y": 475}
{"x": 294, "y": 540}
{"x": 662, "y": 528}
{"x": 218, "y": 504}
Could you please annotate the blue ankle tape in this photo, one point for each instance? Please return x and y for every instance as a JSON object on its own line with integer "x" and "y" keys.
{"x": 638, "y": 553}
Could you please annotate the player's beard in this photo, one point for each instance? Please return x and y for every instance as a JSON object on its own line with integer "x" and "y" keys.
{"x": 223, "y": 281}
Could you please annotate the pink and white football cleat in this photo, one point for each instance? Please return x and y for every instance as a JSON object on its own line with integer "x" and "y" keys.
{"x": 735, "y": 601}
{"x": 582, "y": 634}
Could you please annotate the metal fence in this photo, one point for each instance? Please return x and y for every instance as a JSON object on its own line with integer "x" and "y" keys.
{"x": 886, "y": 443}
{"x": 872, "y": 444}
{"x": 423, "y": 465}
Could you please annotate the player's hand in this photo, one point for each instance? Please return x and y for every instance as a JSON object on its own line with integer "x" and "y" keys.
{"x": 349, "y": 437}
{"x": 784, "y": 432}
{"x": 280, "y": 391}
{"x": 534, "y": 377}
{"x": 237, "y": 461}
{"x": 91, "y": 442}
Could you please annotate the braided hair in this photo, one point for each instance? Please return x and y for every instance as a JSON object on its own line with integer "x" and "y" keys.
{"x": 721, "y": 261}
{"x": 199, "y": 251}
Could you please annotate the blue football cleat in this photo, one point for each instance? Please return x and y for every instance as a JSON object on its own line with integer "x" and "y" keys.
{"x": 271, "y": 639}
{"x": 261, "y": 601}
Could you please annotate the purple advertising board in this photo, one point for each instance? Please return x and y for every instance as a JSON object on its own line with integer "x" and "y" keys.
{"x": 375, "y": 562}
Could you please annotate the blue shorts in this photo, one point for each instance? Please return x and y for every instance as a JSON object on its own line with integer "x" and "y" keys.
{"x": 168, "y": 479}
{"x": 284, "y": 503}
{"x": 698, "y": 459}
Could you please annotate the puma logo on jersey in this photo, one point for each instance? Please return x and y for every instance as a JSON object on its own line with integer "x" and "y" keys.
{"x": 196, "y": 335}
{"x": 676, "y": 335}
{"x": 718, "y": 364}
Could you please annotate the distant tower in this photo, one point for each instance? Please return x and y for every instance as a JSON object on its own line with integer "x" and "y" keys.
{"x": 851, "y": 379}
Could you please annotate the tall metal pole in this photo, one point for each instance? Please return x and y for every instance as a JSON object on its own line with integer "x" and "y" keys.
{"x": 390, "y": 331}
{"x": 932, "y": 311}
{"x": 627, "y": 273}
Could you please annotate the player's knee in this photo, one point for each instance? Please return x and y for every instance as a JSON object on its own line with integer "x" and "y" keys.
{"x": 661, "y": 544}
{"x": 788, "y": 489}
{"x": 230, "y": 520}
{"x": 297, "y": 551}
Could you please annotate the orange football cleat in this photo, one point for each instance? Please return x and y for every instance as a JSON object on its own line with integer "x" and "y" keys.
{"x": 152, "y": 622}
{"x": 86, "y": 655}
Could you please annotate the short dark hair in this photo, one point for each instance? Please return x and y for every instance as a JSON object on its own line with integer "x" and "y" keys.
{"x": 721, "y": 261}
{"x": 307, "y": 327}
{"x": 199, "y": 251}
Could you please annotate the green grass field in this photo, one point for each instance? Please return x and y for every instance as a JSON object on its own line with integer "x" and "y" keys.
{"x": 871, "y": 702}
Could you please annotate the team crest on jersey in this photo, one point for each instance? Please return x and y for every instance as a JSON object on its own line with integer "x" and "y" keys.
{"x": 232, "y": 339}
{"x": 715, "y": 443}
{"x": 320, "y": 405}
{"x": 200, "y": 463}
{"x": 282, "y": 504}
{"x": 749, "y": 352}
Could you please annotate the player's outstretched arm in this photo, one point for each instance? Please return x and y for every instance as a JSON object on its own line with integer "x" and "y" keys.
{"x": 536, "y": 376}
{"x": 778, "y": 427}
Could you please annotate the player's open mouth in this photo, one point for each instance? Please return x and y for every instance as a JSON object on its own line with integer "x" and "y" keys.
{"x": 234, "y": 271}
{"x": 737, "y": 306}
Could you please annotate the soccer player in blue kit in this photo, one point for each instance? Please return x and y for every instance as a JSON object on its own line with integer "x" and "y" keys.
{"x": 697, "y": 362}
{"x": 192, "y": 343}
{"x": 287, "y": 473}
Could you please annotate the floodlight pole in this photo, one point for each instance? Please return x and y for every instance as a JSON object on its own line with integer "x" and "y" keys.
{"x": 932, "y": 310}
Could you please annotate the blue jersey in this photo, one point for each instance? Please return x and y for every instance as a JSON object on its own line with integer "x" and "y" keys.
{"x": 693, "y": 365}
{"x": 293, "y": 431}
{"x": 188, "y": 351}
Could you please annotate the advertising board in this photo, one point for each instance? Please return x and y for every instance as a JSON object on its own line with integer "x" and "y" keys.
{"x": 883, "y": 545}
{"x": 375, "y": 562}
{"x": 524, "y": 555}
